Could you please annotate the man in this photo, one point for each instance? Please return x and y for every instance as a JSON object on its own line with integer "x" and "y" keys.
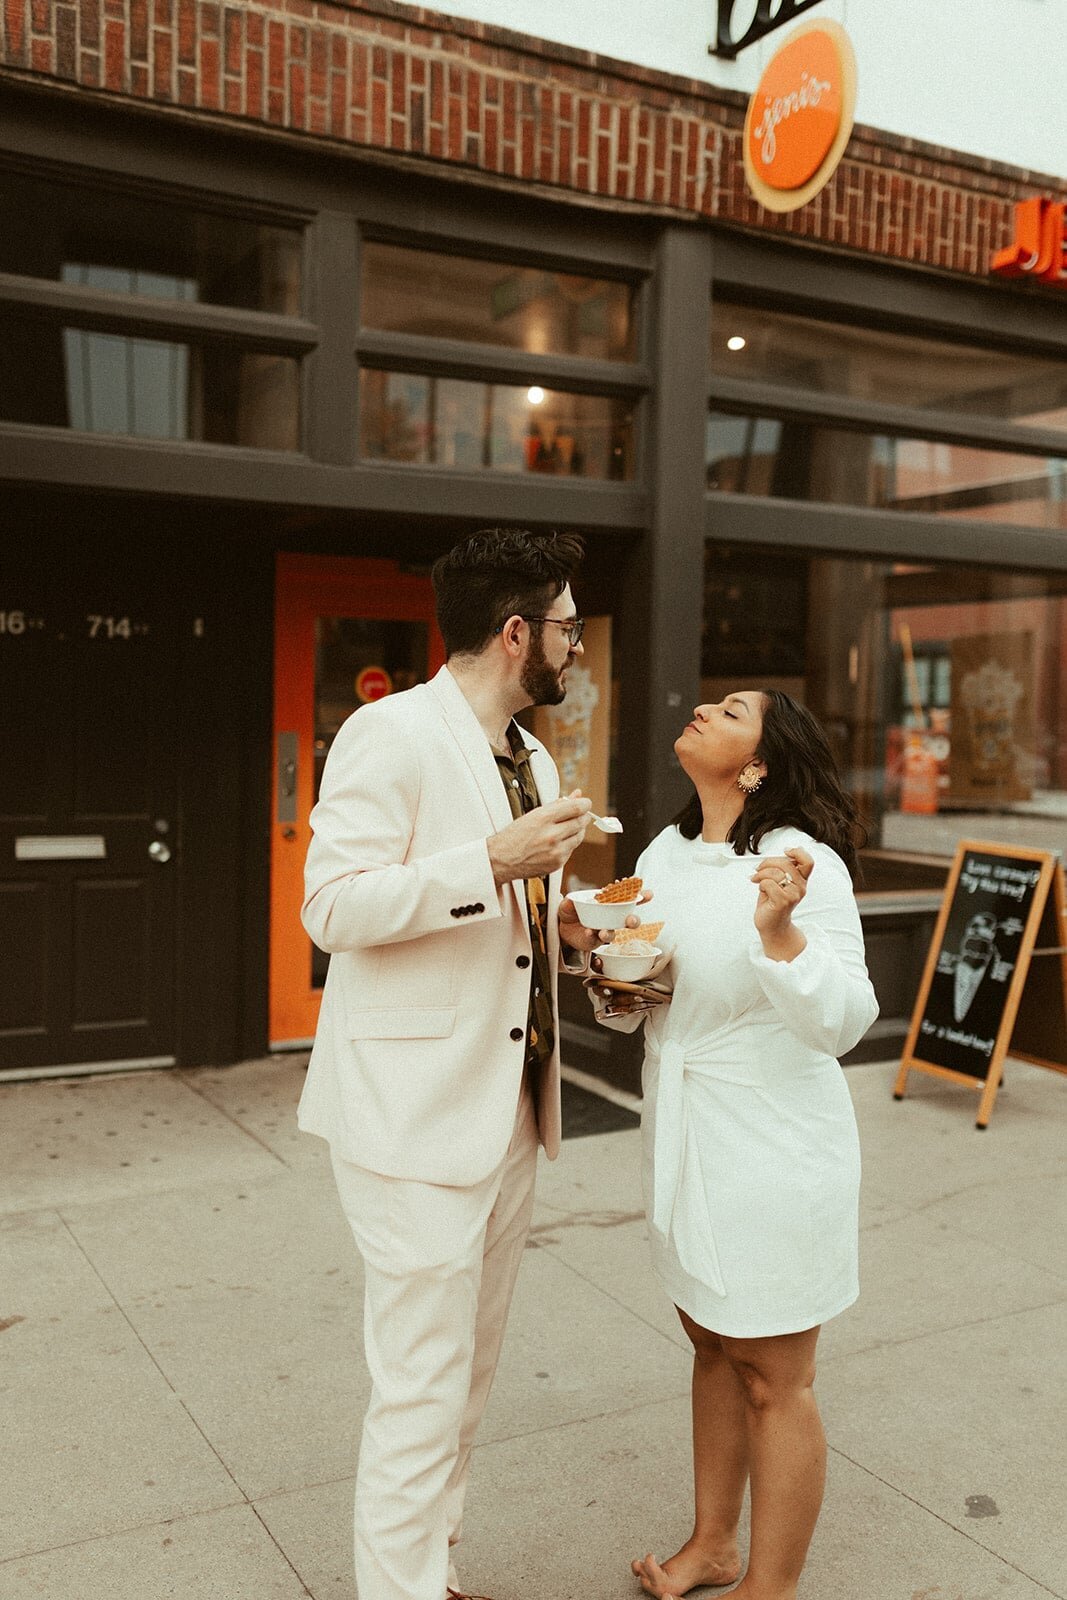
{"x": 433, "y": 879}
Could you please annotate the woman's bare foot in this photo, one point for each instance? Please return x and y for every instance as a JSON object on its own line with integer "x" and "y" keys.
{"x": 691, "y": 1568}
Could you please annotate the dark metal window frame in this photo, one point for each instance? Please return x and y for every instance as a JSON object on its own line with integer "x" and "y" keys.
{"x": 873, "y": 296}
{"x": 339, "y": 201}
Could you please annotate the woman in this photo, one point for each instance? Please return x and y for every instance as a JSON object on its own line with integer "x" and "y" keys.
{"x": 751, "y": 1157}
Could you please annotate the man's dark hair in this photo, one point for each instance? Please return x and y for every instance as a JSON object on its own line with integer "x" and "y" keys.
{"x": 496, "y": 574}
{"x": 801, "y": 790}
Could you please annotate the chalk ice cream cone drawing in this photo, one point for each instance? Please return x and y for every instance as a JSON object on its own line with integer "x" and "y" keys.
{"x": 977, "y": 951}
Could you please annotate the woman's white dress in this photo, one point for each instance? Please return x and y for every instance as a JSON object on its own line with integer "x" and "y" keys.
{"x": 751, "y": 1159}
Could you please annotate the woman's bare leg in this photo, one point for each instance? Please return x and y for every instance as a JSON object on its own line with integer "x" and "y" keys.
{"x": 787, "y": 1458}
{"x": 720, "y": 1468}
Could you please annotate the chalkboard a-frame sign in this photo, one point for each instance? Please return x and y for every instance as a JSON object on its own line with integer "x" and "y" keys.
{"x": 996, "y": 975}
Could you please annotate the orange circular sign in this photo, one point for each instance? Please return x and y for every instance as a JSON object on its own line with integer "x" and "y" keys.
{"x": 373, "y": 683}
{"x": 797, "y": 111}
{"x": 800, "y": 117}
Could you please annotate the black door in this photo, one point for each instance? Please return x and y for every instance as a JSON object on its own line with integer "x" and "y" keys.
{"x": 89, "y": 846}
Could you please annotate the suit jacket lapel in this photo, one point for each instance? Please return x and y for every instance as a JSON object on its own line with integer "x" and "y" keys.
{"x": 477, "y": 752}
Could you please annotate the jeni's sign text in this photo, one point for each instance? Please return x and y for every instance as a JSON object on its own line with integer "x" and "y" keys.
{"x": 800, "y": 117}
{"x": 1039, "y": 248}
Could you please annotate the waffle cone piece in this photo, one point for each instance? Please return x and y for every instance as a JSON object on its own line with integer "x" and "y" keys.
{"x": 644, "y": 930}
{"x": 617, "y": 893}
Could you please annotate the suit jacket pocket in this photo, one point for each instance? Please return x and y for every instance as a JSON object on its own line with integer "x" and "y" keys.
{"x": 409, "y": 1022}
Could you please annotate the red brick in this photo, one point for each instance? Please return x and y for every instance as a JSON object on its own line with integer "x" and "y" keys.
{"x": 89, "y": 69}
{"x": 417, "y": 121}
{"x": 163, "y": 13}
{"x": 138, "y": 30}
{"x": 492, "y": 138}
{"x": 114, "y": 56}
{"x": 186, "y": 32}
{"x": 339, "y": 50}
{"x": 276, "y": 57}
{"x": 565, "y": 153}
{"x": 233, "y": 96}
{"x": 297, "y": 95}
{"x": 417, "y": 68}
{"x": 234, "y": 36}
{"x": 584, "y": 119}
{"x": 399, "y": 87}
{"x": 254, "y": 83}
{"x": 15, "y": 37}
{"x": 186, "y": 87}
{"x": 41, "y": 16}
{"x": 454, "y": 145}
{"x": 162, "y": 65}
{"x": 317, "y": 116}
{"x": 379, "y": 65}
{"x": 210, "y": 65}
{"x": 276, "y": 107}
{"x": 509, "y": 122}
{"x": 378, "y": 112}
{"x": 66, "y": 23}
{"x": 358, "y": 76}
{"x": 255, "y": 29}
{"x": 338, "y": 104}
{"x": 358, "y": 130}
{"x": 320, "y": 61}
{"x": 139, "y": 80}
{"x": 659, "y": 146}
{"x": 89, "y": 24}
{"x": 603, "y": 165}
{"x": 210, "y": 19}
{"x": 298, "y": 43}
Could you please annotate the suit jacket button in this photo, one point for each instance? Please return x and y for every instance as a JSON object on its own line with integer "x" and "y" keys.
{"x": 479, "y": 907}
{"x": 516, "y": 1033}
{"x": 455, "y": 912}
{"x": 522, "y": 961}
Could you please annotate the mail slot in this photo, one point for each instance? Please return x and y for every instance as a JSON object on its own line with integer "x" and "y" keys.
{"x": 60, "y": 847}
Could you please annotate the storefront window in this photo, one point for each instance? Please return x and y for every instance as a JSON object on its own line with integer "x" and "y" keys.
{"x": 835, "y": 358}
{"x": 61, "y": 231}
{"x": 942, "y": 688}
{"x": 95, "y": 382}
{"x": 802, "y": 460}
{"x": 441, "y": 296}
{"x": 453, "y": 422}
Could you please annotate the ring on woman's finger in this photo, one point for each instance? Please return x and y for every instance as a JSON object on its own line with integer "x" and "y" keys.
{"x": 785, "y": 878}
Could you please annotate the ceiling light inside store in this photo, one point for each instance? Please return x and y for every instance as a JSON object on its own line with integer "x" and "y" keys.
{"x": 736, "y": 343}
{"x": 535, "y": 395}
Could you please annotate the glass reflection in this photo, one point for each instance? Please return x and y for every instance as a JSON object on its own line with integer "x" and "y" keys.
{"x": 801, "y": 460}
{"x": 358, "y": 659}
{"x": 441, "y": 296}
{"x": 940, "y": 686}
{"x": 837, "y": 358}
{"x": 452, "y": 422}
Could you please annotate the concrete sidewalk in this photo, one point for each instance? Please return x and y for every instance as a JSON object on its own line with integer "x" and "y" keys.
{"x": 181, "y": 1382}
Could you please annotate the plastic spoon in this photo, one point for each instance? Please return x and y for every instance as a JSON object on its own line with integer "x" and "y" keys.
{"x": 607, "y": 824}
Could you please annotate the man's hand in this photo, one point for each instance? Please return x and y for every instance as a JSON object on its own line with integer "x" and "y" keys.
{"x": 579, "y": 937}
{"x": 540, "y": 842}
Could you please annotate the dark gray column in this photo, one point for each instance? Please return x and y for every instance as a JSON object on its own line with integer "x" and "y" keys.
{"x": 330, "y": 391}
{"x": 662, "y": 613}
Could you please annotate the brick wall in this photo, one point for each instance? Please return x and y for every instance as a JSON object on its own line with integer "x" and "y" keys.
{"x": 375, "y": 74}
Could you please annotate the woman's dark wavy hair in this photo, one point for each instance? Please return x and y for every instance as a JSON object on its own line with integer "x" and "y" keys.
{"x": 802, "y": 788}
{"x": 496, "y": 574}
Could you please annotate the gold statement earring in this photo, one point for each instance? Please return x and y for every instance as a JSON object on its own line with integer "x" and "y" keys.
{"x": 749, "y": 779}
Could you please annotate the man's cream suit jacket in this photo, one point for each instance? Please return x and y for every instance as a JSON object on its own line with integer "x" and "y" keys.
{"x": 420, "y": 1045}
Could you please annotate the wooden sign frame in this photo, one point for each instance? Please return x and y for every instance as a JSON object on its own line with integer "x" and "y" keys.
{"x": 1015, "y": 1011}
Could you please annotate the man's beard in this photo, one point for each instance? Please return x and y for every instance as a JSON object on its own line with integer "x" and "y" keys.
{"x": 541, "y": 681}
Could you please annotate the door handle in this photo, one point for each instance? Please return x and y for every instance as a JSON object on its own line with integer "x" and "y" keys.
{"x": 159, "y": 851}
{"x": 285, "y": 798}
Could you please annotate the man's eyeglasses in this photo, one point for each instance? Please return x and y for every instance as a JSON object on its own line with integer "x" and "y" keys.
{"x": 573, "y": 630}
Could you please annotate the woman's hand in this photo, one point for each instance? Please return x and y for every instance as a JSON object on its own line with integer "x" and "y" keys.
{"x": 783, "y": 883}
{"x": 578, "y": 937}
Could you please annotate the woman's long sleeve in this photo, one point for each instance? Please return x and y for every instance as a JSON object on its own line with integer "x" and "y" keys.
{"x": 824, "y": 994}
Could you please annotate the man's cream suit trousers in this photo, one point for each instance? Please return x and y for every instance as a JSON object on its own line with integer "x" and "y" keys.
{"x": 440, "y": 1266}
